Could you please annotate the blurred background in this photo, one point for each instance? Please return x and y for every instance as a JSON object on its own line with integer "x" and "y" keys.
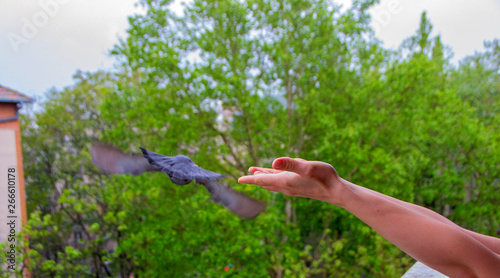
{"x": 399, "y": 96}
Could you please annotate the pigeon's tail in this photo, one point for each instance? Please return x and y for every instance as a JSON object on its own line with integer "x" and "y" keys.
{"x": 157, "y": 159}
{"x": 240, "y": 204}
{"x": 146, "y": 155}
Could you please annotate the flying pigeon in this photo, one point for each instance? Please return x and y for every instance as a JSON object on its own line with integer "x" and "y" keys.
{"x": 180, "y": 169}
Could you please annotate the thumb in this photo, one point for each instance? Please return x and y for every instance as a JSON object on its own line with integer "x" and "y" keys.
{"x": 298, "y": 166}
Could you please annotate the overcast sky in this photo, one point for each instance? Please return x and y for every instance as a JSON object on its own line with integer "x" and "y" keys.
{"x": 44, "y": 42}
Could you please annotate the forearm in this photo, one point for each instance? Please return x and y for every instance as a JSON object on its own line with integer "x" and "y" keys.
{"x": 419, "y": 209}
{"x": 423, "y": 236}
{"x": 490, "y": 242}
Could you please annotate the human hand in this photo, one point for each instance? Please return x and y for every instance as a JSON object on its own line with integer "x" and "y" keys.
{"x": 300, "y": 178}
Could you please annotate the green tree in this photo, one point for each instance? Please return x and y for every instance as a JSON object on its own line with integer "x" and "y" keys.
{"x": 68, "y": 233}
{"x": 247, "y": 60}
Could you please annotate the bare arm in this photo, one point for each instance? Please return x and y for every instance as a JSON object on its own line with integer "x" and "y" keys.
{"x": 428, "y": 237}
{"x": 490, "y": 242}
{"x": 433, "y": 242}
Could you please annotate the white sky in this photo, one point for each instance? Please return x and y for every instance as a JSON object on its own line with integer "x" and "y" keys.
{"x": 57, "y": 37}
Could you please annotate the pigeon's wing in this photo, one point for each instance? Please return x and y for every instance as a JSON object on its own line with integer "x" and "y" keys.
{"x": 201, "y": 174}
{"x": 180, "y": 168}
{"x": 239, "y": 203}
{"x": 111, "y": 160}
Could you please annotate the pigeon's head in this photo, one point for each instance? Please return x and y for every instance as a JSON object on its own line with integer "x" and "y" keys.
{"x": 180, "y": 181}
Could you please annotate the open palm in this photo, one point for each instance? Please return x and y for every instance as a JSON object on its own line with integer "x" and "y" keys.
{"x": 298, "y": 177}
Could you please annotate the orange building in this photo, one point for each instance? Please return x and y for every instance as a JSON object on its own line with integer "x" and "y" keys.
{"x": 12, "y": 192}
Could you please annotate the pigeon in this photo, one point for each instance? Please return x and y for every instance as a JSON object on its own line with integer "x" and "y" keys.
{"x": 180, "y": 169}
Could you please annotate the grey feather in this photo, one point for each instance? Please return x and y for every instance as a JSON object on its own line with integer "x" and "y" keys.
{"x": 180, "y": 169}
{"x": 111, "y": 160}
{"x": 240, "y": 204}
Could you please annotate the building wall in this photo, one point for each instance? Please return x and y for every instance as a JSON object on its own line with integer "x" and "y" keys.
{"x": 8, "y": 110}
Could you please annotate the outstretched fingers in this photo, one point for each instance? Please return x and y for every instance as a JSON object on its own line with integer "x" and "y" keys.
{"x": 261, "y": 170}
{"x": 317, "y": 170}
{"x": 296, "y": 165}
{"x": 267, "y": 181}
{"x": 260, "y": 180}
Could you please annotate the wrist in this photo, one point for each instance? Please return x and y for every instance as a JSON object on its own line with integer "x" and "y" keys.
{"x": 340, "y": 192}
